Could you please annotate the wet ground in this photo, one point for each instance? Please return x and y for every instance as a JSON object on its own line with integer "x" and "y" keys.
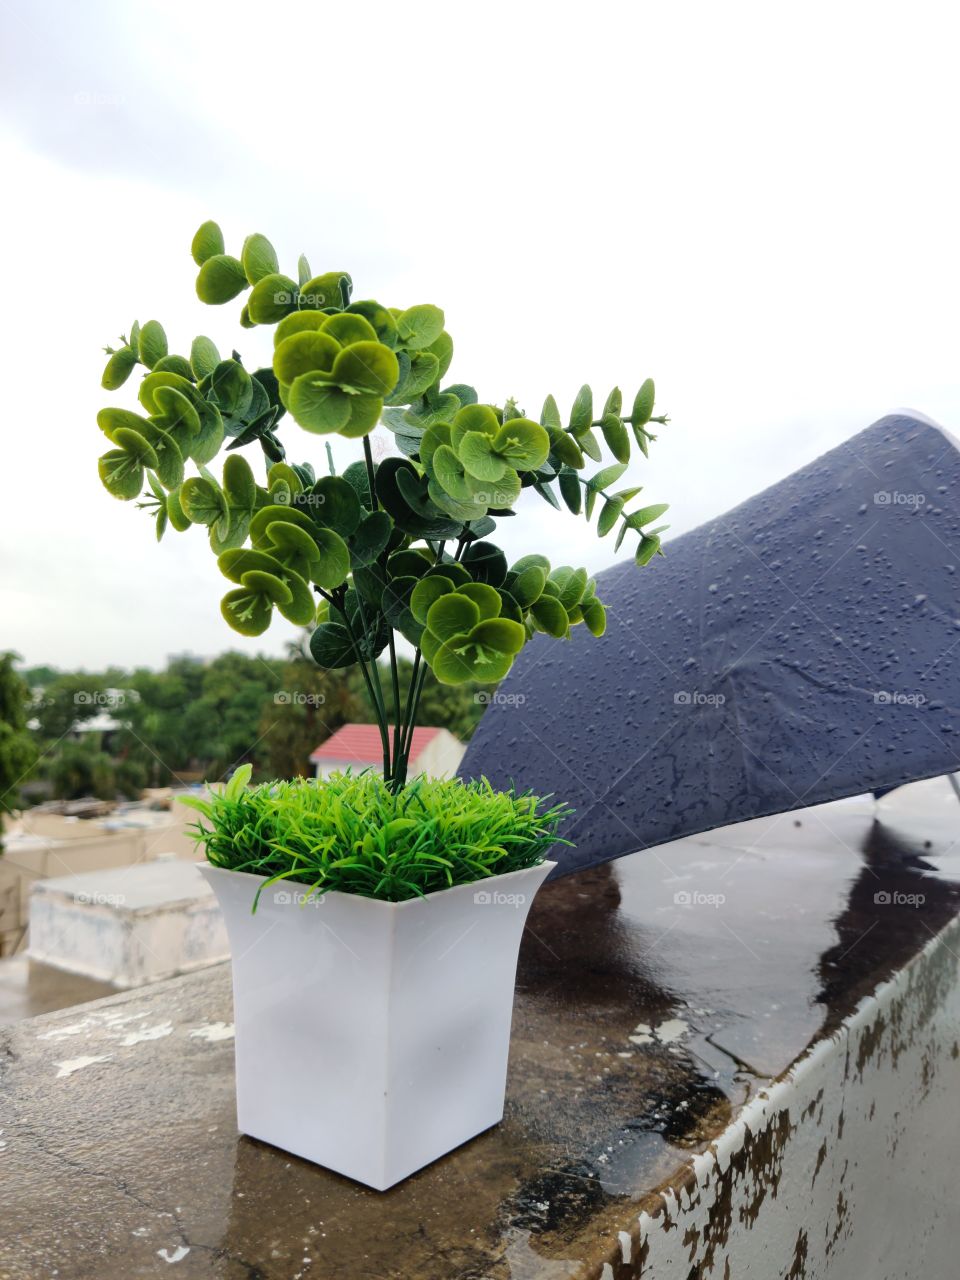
{"x": 654, "y": 996}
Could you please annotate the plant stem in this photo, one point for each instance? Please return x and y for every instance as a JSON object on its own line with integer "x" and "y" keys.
{"x": 371, "y": 474}
{"x": 379, "y": 710}
{"x": 399, "y": 764}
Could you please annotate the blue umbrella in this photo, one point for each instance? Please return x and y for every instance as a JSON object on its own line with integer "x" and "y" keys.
{"x": 803, "y": 647}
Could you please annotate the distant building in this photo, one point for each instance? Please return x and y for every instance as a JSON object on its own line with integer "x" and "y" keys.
{"x": 357, "y": 746}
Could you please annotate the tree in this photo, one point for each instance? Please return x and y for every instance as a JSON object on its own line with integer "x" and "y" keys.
{"x": 396, "y": 549}
{"x": 18, "y": 753}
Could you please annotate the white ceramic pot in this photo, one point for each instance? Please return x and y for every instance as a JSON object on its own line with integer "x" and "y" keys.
{"x": 372, "y": 1037}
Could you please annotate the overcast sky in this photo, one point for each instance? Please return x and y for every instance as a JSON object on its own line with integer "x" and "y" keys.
{"x": 754, "y": 204}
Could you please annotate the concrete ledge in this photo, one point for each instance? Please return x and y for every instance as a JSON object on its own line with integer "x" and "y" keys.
{"x": 129, "y": 925}
{"x": 733, "y": 1056}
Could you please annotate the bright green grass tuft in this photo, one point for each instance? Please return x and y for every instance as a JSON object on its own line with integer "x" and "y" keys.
{"x": 350, "y": 833}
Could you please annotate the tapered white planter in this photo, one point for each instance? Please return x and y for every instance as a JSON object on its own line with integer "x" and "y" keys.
{"x": 372, "y": 1037}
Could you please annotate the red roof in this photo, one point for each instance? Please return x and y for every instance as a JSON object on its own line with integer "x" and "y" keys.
{"x": 360, "y": 744}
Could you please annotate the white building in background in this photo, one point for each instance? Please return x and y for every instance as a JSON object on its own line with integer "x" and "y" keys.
{"x": 435, "y": 752}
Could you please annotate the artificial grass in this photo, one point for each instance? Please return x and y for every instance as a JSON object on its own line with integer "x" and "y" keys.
{"x": 350, "y": 833}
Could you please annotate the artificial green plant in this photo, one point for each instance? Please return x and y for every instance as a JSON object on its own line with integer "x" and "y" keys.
{"x": 400, "y": 547}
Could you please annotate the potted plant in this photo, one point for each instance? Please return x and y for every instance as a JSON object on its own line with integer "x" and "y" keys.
{"x": 372, "y": 1025}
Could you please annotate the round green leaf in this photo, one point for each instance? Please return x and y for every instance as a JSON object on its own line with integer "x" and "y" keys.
{"x": 419, "y": 326}
{"x": 305, "y": 352}
{"x": 289, "y": 540}
{"x": 643, "y": 404}
{"x": 204, "y": 356}
{"x": 316, "y": 405}
{"x": 473, "y": 417}
{"x": 259, "y": 258}
{"x": 326, "y": 290}
{"x": 298, "y": 322}
{"x": 152, "y": 343}
{"x": 178, "y": 517}
{"x": 301, "y": 608}
{"x": 365, "y": 413}
{"x": 524, "y": 444}
{"x": 207, "y": 242}
{"x": 595, "y": 616}
{"x": 205, "y": 446}
{"x": 331, "y": 646}
{"x": 348, "y": 328}
{"x": 221, "y": 278}
{"x": 271, "y": 298}
{"x": 175, "y": 364}
{"x": 367, "y": 366}
{"x": 234, "y": 564}
{"x": 110, "y": 418}
{"x": 485, "y": 562}
{"x": 153, "y": 381}
{"x": 527, "y": 587}
{"x": 202, "y": 501}
{"x": 121, "y": 475}
{"x": 247, "y": 611}
{"x": 436, "y": 435}
{"x": 266, "y": 515}
{"x": 119, "y": 367}
{"x": 136, "y": 447}
{"x": 268, "y": 584}
{"x": 443, "y": 350}
{"x": 452, "y": 615}
{"x": 425, "y": 593}
{"x": 550, "y": 616}
{"x": 331, "y": 570}
{"x": 500, "y": 634}
{"x": 334, "y": 503}
{"x": 238, "y": 483}
{"x": 476, "y": 453}
{"x": 450, "y": 473}
{"x": 175, "y": 411}
{"x": 382, "y": 320}
{"x": 370, "y": 538}
{"x": 485, "y": 597}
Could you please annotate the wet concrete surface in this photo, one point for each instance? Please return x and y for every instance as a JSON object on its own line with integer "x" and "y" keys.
{"x": 655, "y": 996}
{"x": 29, "y": 988}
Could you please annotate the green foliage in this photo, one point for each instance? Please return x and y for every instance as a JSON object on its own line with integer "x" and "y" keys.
{"x": 18, "y": 752}
{"x": 402, "y": 547}
{"x": 351, "y": 833}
